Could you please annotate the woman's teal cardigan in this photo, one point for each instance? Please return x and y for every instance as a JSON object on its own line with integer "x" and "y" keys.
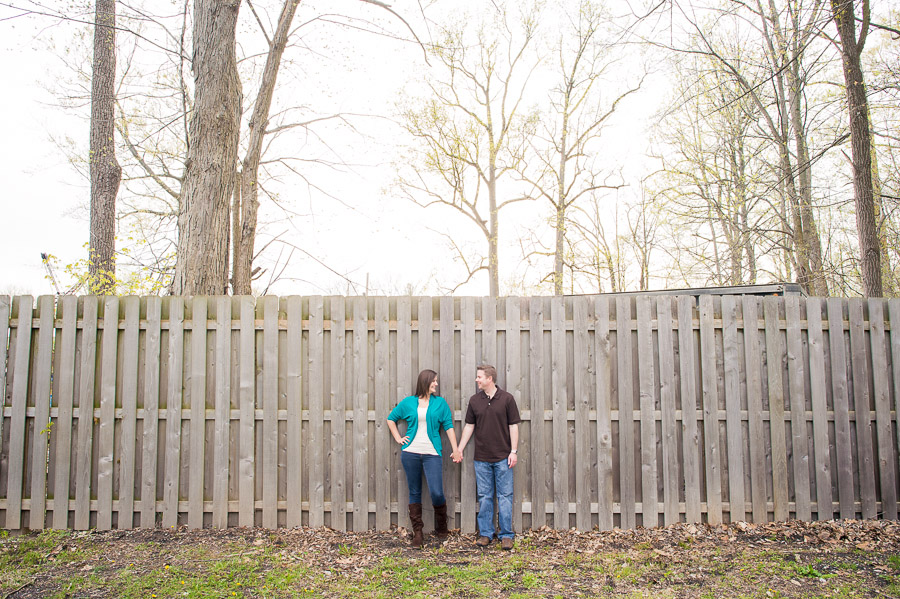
{"x": 437, "y": 416}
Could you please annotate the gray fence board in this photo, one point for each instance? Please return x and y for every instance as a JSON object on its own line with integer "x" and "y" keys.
{"x": 41, "y": 424}
{"x": 106, "y": 434}
{"x": 796, "y": 383}
{"x": 222, "y": 426}
{"x": 775, "y": 366}
{"x": 269, "y": 400}
{"x": 710, "y": 394}
{"x": 604, "y": 415}
{"x": 583, "y": 370}
{"x": 62, "y": 429}
{"x": 174, "y": 399}
{"x": 360, "y": 397}
{"x": 894, "y": 316}
{"x": 734, "y": 430}
{"x": 647, "y": 391}
{"x": 840, "y": 393}
{"x": 20, "y": 371}
{"x": 755, "y": 429}
{"x": 383, "y": 398}
{"x": 151, "y": 420}
{"x": 294, "y": 460}
{"x": 687, "y": 351}
{"x": 625, "y": 388}
{"x": 197, "y": 402}
{"x": 85, "y": 412}
{"x": 884, "y": 428}
{"x": 539, "y": 492}
{"x": 405, "y": 387}
{"x": 316, "y": 368}
{"x": 5, "y": 305}
{"x": 338, "y": 415}
{"x": 127, "y": 461}
{"x": 817, "y": 383}
{"x": 559, "y": 402}
{"x": 671, "y": 474}
{"x": 863, "y": 415}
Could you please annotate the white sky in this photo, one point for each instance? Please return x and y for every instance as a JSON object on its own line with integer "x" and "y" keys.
{"x": 378, "y": 237}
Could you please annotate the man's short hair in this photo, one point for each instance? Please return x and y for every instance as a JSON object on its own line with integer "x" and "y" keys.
{"x": 488, "y": 370}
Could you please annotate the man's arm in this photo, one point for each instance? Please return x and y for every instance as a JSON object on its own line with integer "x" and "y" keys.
{"x": 463, "y": 441}
{"x": 513, "y": 458}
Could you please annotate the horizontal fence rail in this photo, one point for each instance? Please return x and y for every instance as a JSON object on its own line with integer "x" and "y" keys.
{"x": 636, "y": 410}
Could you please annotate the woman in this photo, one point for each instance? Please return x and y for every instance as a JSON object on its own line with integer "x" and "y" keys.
{"x": 422, "y": 450}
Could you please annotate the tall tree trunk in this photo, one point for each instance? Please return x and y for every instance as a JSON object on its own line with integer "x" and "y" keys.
{"x": 203, "y": 222}
{"x": 817, "y": 283}
{"x": 245, "y": 234}
{"x": 494, "y": 229}
{"x": 559, "y": 250}
{"x": 842, "y": 12}
{"x": 106, "y": 174}
{"x": 888, "y": 284}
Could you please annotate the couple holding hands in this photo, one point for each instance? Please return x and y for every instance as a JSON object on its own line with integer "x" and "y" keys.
{"x": 492, "y": 419}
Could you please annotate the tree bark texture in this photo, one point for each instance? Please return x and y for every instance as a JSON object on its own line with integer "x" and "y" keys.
{"x": 560, "y": 245}
{"x": 203, "y": 222}
{"x": 494, "y": 235}
{"x": 245, "y": 234}
{"x": 842, "y": 12}
{"x": 105, "y": 171}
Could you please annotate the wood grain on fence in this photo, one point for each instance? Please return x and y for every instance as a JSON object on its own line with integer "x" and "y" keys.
{"x": 121, "y": 412}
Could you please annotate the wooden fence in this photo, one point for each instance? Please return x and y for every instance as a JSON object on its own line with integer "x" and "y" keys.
{"x": 637, "y": 410}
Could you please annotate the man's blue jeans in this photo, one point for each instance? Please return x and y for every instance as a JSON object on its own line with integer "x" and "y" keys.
{"x": 414, "y": 464}
{"x": 493, "y": 477}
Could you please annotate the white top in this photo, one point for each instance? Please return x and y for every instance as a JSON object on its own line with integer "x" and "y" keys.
{"x": 421, "y": 443}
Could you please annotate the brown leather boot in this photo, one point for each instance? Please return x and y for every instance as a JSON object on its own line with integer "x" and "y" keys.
{"x": 415, "y": 518}
{"x": 440, "y": 521}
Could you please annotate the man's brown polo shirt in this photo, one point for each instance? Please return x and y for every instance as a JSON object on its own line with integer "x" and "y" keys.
{"x": 492, "y": 418}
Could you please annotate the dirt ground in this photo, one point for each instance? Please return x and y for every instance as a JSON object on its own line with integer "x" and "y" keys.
{"x": 794, "y": 559}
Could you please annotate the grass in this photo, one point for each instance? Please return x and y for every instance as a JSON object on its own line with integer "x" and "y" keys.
{"x": 259, "y": 565}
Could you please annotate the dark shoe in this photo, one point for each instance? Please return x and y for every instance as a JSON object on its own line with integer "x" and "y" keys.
{"x": 506, "y": 544}
{"x": 415, "y": 518}
{"x": 483, "y": 541}
{"x": 440, "y": 521}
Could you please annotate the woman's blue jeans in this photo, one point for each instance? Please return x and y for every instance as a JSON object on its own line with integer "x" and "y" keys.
{"x": 493, "y": 477}
{"x": 414, "y": 464}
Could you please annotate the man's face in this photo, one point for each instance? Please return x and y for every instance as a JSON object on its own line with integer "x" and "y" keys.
{"x": 482, "y": 380}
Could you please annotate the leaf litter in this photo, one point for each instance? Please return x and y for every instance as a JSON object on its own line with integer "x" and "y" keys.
{"x": 842, "y": 558}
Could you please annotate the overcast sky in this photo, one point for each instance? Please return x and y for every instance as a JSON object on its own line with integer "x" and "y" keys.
{"x": 367, "y": 235}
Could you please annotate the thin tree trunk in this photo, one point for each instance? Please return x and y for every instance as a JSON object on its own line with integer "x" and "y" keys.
{"x": 887, "y": 278}
{"x": 202, "y": 254}
{"x": 860, "y": 142}
{"x": 493, "y": 254}
{"x": 106, "y": 174}
{"x": 748, "y": 245}
{"x": 818, "y": 284}
{"x": 245, "y": 235}
{"x": 559, "y": 251}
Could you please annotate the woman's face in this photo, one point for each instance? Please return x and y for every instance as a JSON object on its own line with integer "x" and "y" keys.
{"x": 432, "y": 388}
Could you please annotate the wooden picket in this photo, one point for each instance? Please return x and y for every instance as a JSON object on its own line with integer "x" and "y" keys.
{"x": 122, "y": 412}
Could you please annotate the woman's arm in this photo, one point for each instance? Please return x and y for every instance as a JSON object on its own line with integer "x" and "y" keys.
{"x": 466, "y": 435}
{"x": 451, "y": 434}
{"x": 392, "y": 426}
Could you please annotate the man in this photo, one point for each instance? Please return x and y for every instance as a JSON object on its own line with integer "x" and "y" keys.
{"x": 493, "y": 418}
